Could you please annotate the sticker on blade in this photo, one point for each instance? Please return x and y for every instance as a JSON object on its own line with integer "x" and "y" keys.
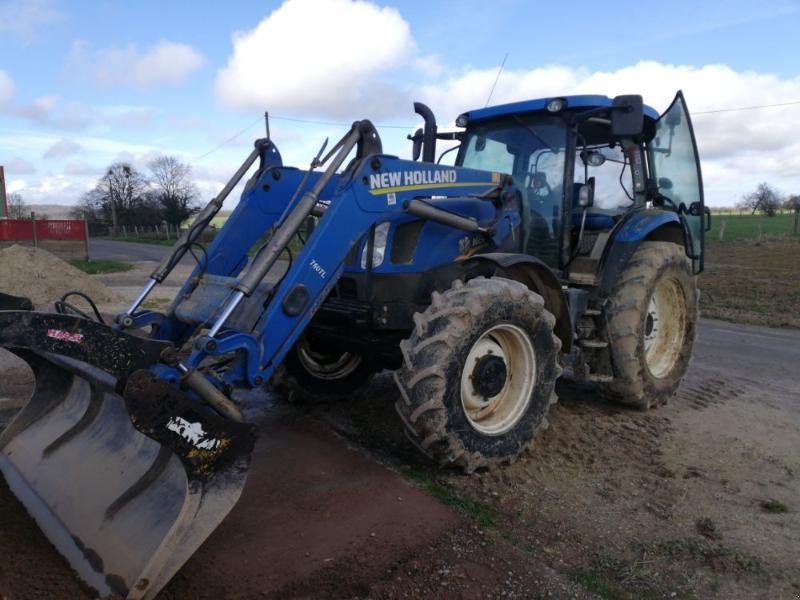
{"x": 192, "y": 433}
{"x": 66, "y": 336}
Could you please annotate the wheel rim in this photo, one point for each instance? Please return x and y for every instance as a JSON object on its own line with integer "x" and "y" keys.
{"x": 664, "y": 327}
{"x": 510, "y": 386}
{"x": 326, "y": 365}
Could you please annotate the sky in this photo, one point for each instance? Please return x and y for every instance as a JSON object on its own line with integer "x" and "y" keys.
{"x": 85, "y": 84}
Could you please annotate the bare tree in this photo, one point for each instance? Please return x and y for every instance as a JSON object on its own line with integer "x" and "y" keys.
{"x": 121, "y": 197}
{"x": 793, "y": 203}
{"x": 17, "y": 207}
{"x": 172, "y": 188}
{"x": 764, "y": 199}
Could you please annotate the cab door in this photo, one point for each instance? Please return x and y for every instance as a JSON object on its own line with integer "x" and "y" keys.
{"x": 675, "y": 167}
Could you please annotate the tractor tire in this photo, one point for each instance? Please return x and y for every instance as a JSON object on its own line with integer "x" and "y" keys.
{"x": 312, "y": 374}
{"x": 499, "y": 330}
{"x": 651, "y": 320}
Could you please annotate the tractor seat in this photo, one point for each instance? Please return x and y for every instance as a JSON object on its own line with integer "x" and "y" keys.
{"x": 596, "y": 218}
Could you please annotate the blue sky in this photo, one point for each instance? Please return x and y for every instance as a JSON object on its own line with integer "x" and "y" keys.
{"x": 83, "y": 84}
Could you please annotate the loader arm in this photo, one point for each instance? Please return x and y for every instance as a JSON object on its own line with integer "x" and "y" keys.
{"x": 359, "y": 201}
{"x": 130, "y": 460}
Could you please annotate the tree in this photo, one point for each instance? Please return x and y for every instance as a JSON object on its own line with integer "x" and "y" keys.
{"x": 17, "y": 207}
{"x": 172, "y": 189}
{"x": 792, "y": 203}
{"x": 121, "y": 197}
{"x": 764, "y": 199}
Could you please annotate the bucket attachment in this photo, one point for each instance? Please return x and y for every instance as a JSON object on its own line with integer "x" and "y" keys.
{"x": 126, "y": 486}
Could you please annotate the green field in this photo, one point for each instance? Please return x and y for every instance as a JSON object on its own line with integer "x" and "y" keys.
{"x": 744, "y": 227}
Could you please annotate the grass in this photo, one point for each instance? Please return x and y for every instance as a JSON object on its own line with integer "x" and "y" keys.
{"x": 483, "y": 514}
{"x": 96, "y": 267}
{"x": 596, "y": 581}
{"x": 713, "y": 553}
{"x": 613, "y": 579}
{"x": 774, "y": 506}
{"x": 748, "y": 227}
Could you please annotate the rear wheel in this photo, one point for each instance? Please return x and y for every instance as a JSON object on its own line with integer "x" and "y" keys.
{"x": 652, "y": 316}
{"x": 314, "y": 370}
{"x": 478, "y": 373}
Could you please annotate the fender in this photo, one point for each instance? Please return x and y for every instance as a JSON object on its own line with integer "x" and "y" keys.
{"x": 636, "y": 227}
{"x": 539, "y": 278}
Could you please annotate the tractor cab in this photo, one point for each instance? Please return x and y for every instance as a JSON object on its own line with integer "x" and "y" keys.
{"x": 583, "y": 165}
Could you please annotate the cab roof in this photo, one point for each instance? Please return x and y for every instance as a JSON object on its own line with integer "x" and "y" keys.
{"x": 540, "y": 104}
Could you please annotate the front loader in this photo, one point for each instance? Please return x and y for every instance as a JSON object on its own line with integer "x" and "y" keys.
{"x": 477, "y": 283}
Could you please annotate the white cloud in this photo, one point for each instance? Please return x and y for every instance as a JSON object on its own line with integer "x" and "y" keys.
{"x": 25, "y": 18}
{"x": 63, "y": 148}
{"x": 44, "y": 110}
{"x": 7, "y": 89}
{"x": 19, "y": 166}
{"x": 325, "y": 57}
{"x": 737, "y": 149}
{"x": 166, "y": 62}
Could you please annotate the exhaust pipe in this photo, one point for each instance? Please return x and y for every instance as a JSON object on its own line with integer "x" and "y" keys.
{"x": 429, "y": 134}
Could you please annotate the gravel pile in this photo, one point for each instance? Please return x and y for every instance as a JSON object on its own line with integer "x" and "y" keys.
{"x": 36, "y": 274}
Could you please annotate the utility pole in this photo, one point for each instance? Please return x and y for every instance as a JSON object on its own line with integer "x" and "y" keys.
{"x": 4, "y": 205}
{"x": 113, "y": 204}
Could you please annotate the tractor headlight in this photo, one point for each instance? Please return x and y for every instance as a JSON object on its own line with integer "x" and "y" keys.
{"x": 556, "y": 105}
{"x": 378, "y": 246}
{"x": 461, "y": 121}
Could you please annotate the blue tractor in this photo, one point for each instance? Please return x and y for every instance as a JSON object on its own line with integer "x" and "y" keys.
{"x": 567, "y": 235}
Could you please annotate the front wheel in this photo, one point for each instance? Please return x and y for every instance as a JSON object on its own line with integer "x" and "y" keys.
{"x": 478, "y": 373}
{"x": 651, "y": 321}
{"x": 314, "y": 370}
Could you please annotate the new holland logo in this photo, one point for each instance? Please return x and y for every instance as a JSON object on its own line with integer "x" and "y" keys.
{"x": 395, "y": 179}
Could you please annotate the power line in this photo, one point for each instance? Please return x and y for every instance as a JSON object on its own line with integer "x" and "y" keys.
{"x": 335, "y": 123}
{"x": 722, "y": 110}
{"x": 226, "y": 142}
{"x": 409, "y": 127}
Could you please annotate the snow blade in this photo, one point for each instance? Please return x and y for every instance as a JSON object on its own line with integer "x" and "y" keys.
{"x": 126, "y": 488}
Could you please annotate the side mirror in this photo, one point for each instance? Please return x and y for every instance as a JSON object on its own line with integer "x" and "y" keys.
{"x": 416, "y": 140}
{"x": 627, "y": 116}
{"x": 664, "y": 183}
{"x": 586, "y": 194}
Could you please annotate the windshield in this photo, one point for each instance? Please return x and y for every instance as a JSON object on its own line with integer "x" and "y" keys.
{"x": 532, "y": 150}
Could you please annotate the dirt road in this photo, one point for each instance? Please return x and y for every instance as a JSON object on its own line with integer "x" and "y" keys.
{"x": 684, "y": 501}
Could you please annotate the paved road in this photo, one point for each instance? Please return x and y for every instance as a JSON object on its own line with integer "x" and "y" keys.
{"x": 126, "y": 251}
{"x": 758, "y": 356}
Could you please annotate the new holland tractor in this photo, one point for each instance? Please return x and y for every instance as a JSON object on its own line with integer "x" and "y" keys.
{"x": 567, "y": 235}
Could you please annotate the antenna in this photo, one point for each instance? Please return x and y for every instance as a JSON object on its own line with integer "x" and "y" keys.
{"x": 500, "y": 70}
{"x": 266, "y": 121}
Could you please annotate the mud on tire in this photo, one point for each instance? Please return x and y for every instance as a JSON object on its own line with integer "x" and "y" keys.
{"x": 649, "y": 364}
{"x": 430, "y": 381}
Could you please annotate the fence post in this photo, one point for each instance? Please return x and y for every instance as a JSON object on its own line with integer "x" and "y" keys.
{"x": 796, "y": 218}
{"x": 33, "y": 225}
{"x": 86, "y": 235}
{"x": 124, "y": 232}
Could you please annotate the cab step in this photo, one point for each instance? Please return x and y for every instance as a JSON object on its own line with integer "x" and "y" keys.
{"x": 599, "y": 378}
{"x": 593, "y": 343}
